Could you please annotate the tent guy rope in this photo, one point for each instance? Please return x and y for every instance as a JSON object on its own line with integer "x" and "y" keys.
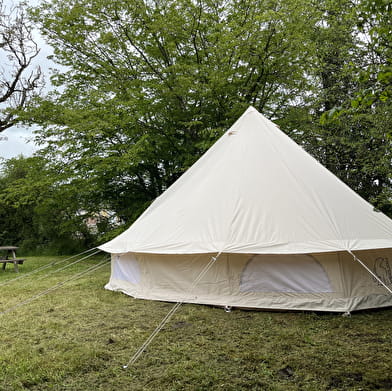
{"x": 168, "y": 316}
{"x": 56, "y": 286}
{"x": 46, "y": 267}
{"x": 70, "y": 264}
{"x": 373, "y": 274}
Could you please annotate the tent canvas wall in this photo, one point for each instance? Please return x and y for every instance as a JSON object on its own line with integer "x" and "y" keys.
{"x": 282, "y": 227}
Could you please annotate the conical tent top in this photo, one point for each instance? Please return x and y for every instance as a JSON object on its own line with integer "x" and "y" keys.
{"x": 256, "y": 191}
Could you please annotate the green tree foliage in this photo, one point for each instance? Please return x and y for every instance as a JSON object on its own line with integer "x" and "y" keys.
{"x": 38, "y": 213}
{"x": 150, "y": 85}
{"x": 354, "y": 144}
{"x": 147, "y": 86}
{"x": 375, "y": 23}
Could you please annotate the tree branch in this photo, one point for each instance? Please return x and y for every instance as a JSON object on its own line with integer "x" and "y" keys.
{"x": 20, "y": 49}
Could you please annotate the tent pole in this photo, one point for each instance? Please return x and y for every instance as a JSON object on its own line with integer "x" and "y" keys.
{"x": 373, "y": 274}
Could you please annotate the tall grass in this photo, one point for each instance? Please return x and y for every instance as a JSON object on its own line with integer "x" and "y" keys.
{"x": 79, "y": 336}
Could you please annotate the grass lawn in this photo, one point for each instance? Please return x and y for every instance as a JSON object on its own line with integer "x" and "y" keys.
{"x": 79, "y": 336}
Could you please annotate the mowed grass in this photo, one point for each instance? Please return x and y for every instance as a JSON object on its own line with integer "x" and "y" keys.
{"x": 79, "y": 336}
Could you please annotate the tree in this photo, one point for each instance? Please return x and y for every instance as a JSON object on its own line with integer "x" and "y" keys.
{"x": 352, "y": 143}
{"x": 374, "y": 95}
{"x": 38, "y": 212}
{"x": 151, "y": 84}
{"x": 19, "y": 80}
{"x": 375, "y": 23}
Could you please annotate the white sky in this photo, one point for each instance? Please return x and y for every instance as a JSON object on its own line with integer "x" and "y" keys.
{"x": 15, "y": 141}
{"x": 18, "y": 140}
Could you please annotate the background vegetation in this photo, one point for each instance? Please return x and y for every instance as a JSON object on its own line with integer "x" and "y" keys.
{"x": 79, "y": 337}
{"x": 145, "y": 87}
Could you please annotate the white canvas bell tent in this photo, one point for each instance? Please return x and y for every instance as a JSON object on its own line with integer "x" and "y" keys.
{"x": 282, "y": 232}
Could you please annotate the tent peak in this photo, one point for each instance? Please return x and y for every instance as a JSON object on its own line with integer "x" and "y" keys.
{"x": 251, "y": 108}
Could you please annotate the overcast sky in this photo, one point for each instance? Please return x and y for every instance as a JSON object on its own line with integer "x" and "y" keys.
{"x": 15, "y": 141}
{"x": 18, "y": 140}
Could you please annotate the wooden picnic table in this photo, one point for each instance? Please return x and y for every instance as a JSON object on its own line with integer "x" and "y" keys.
{"x": 10, "y": 257}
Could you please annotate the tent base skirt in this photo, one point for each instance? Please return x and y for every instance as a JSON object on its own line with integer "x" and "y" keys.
{"x": 280, "y": 303}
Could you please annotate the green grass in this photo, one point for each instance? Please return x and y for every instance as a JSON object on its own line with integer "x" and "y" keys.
{"x": 79, "y": 337}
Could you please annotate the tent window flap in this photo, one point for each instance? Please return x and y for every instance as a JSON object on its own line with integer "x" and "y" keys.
{"x": 126, "y": 268}
{"x": 291, "y": 274}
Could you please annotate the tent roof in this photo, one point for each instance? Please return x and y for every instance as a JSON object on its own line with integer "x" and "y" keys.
{"x": 256, "y": 191}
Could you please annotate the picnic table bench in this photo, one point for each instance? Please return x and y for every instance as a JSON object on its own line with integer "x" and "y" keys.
{"x": 10, "y": 257}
